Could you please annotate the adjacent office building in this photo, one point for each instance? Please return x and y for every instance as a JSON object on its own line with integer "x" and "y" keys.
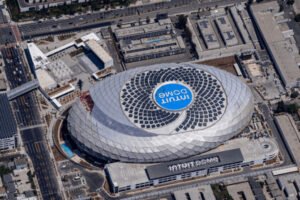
{"x": 232, "y": 156}
{"x": 8, "y": 126}
{"x": 279, "y": 41}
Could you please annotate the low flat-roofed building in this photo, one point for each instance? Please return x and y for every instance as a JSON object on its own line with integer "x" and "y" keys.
{"x": 20, "y": 163}
{"x": 8, "y": 126}
{"x": 283, "y": 51}
{"x": 241, "y": 191}
{"x": 104, "y": 73}
{"x": 58, "y": 92}
{"x": 154, "y": 47}
{"x": 241, "y": 23}
{"x": 208, "y": 34}
{"x": 138, "y": 30}
{"x": 45, "y": 79}
{"x": 38, "y": 58}
{"x": 290, "y": 185}
{"x": 98, "y": 50}
{"x": 233, "y": 155}
{"x": 203, "y": 192}
{"x": 27, "y": 5}
{"x": 9, "y": 185}
{"x": 126, "y": 176}
{"x": 291, "y": 135}
{"x": 226, "y": 30}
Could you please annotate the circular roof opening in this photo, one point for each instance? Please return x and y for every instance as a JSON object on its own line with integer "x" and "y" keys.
{"x": 173, "y": 96}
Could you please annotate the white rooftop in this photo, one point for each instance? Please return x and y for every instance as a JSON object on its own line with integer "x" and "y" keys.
{"x": 127, "y": 173}
{"x": 252, "y": 149}
{"x": 195, "y": 193}
{"x": 45, "y": 80}
{"x": 99, "y": 51}
{"x": 90, "y": 36}
{"x": 39, "y": 59}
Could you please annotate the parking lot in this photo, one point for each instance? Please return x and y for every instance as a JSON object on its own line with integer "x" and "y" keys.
{"x": 79, "y": 182}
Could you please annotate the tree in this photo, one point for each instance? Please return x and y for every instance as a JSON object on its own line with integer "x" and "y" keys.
{"x": 294, "y": 94}
{"x": 182, "y": 20}
{"x": 292, "y": 108}
{"x": 79, "y": 84}
{"x": 4, "y": 170}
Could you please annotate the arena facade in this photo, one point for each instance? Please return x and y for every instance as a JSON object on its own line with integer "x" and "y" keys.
{"x": 160, "y": 113}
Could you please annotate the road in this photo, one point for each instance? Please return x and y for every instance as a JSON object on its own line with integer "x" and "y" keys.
{"x": 106, "y": 18}
{"x": 26, "y": 110}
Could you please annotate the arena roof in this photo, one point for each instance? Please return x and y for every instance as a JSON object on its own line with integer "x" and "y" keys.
{"x": 161, "y": 112}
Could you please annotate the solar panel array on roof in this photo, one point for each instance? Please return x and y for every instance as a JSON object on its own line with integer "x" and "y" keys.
{"x": 8, "y": 126}
{"x": 208, "y": 107}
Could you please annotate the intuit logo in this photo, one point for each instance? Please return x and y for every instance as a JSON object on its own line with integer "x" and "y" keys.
{"x": 173, "y": 96}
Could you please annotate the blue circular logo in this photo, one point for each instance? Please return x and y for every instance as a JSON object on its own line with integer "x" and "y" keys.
{"x": 173, "y": 96}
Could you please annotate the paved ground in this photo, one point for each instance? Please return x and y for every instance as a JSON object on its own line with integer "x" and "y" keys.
{"x": 93, "y": 179}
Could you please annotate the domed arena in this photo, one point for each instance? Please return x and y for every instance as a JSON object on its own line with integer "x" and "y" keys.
{"x": 160, "y": 113}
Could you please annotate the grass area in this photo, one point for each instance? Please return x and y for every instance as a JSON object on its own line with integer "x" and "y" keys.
{"x": 221, "y": 192}
{"x": 71, "y": 9}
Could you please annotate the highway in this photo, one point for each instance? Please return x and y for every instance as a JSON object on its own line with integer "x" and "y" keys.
{"x": 106, "y": 18}
{"x": 26, "y": 110}
{"x": 17, "y": 75}
{"x": 36, "y": 148}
